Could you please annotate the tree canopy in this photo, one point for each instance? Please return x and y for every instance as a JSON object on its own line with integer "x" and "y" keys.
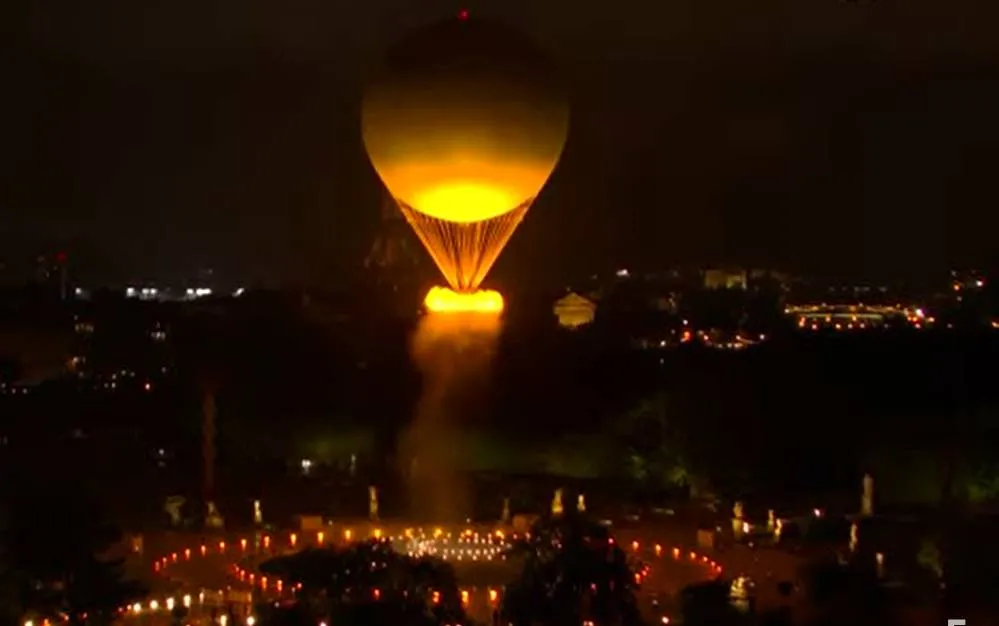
{"x": 58, "y": 556}
{"x": 573, "y": 572}
{"x": 369, "y": 583}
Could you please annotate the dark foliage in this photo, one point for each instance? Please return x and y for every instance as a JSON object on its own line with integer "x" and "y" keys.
{"x": 60, "y": 557}
{"x": 573, "y": 572}
{"x": 368, "y": 583}
{"x": 709, "y": 603}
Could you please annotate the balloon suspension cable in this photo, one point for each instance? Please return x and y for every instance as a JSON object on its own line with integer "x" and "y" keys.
{"x": 465, "y": 251}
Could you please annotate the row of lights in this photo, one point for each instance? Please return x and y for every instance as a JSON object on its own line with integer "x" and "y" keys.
{"x": 466, "y": 543}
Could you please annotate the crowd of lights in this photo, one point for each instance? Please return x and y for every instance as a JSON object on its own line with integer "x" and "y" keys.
{"x": 443, "y": 300}
{"x": 465, "y": 544}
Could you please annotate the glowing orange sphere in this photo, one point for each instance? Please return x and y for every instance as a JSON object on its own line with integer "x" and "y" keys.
{"x": 466, "y": 122}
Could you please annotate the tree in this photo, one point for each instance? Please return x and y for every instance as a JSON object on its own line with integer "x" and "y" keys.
{"x": 11, "y": 583}
{"x": 652, "y": 445}
{"x": 58, "y": 553}
{"x": 709, "y": 603}
{"x": 572, "y": 571}
{"x": 368, "y": 583}
{"x": 847, "y": 594}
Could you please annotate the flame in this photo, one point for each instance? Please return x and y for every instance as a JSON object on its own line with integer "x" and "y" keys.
{"x": 443, "y": 300}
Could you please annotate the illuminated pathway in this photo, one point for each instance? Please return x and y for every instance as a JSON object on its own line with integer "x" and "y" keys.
{"x": 217, "y": 574}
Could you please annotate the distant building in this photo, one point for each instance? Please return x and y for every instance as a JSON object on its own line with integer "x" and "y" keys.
{"x": 725, "y": 279}
{"x": 857, "y": 316}
{"x": 573, "y": 311}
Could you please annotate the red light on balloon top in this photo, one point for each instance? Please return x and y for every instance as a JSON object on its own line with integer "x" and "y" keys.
{"x": 463, "y": 14}
{"x": 60, "y": 257}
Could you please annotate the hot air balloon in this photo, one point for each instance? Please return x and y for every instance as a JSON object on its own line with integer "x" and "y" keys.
{"x": 464, "y": 124}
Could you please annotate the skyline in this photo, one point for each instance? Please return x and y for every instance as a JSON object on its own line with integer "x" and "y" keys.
{"x": 806, "y": 136}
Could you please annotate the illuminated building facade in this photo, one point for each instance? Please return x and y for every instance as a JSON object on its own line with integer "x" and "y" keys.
{"x": 574, "y": 311}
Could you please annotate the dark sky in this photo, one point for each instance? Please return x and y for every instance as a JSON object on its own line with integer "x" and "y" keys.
{"x": 161, "y": 136}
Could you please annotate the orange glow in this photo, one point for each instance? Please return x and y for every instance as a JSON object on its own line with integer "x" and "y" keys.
{"x": 320, "y": 537}
{"x": 464, "y": 189}
{"x": 464, "y": 597}
{"x": 493, "y": 596}
{"x": 293, "y": 539}
{"x": 443, "y": 300}
{"x": 464, "y": 134}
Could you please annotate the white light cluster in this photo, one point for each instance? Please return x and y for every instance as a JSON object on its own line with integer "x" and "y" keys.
{"x": 468, "y": 545}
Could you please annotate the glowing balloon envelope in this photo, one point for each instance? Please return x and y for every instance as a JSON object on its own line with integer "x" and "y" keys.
{"x": 464, "y": 125}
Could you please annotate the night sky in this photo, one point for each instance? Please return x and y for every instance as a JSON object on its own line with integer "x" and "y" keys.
{"x": 154, "y": 138}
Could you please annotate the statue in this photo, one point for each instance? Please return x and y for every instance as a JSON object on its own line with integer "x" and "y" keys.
{"x": 258, "y": 514}
{"x": 137, "y": 544}
{"x": 373, "y": 503}
{"x": 771, "y": 520}
{"x": 738, "y": 512}
{"x": 505, "y": 515}
{"x": 213, "y": 519}
{"x": 557, "y": 503}
{"x": 854, "y": 536}
{"x": 778, "y": 529}
{"x": 581, "y": 503}
{"x": 173, "y": 506}
{"x": 867, "y": 499}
